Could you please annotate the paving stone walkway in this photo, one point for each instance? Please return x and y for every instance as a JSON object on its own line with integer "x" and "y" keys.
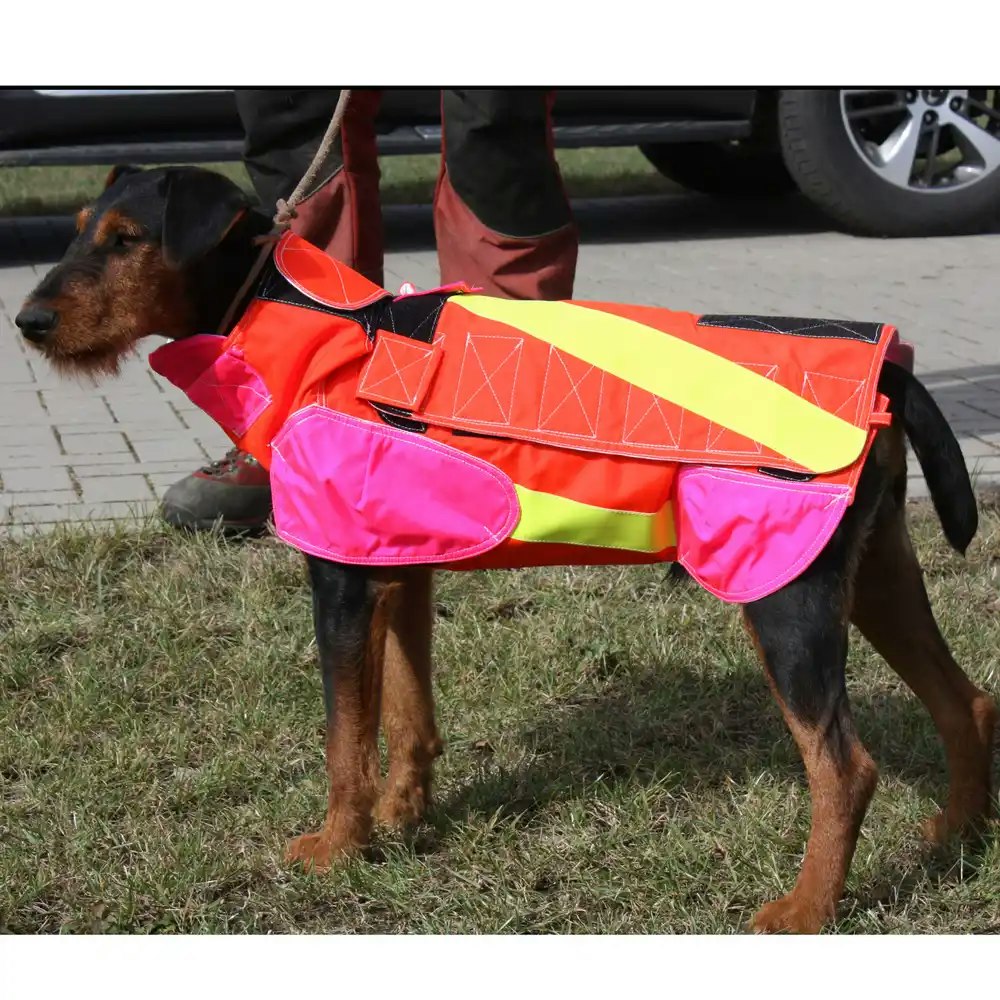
{"x": 75, "y": 450}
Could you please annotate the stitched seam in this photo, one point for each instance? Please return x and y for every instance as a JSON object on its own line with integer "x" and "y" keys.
{"x": 811, "y": 336}
{"x": 487, "y": 384}
{"x": 241, "y": 385}
{"x": 758, "y": 448}
{"x": 614, "y": 447}
{"x": 854, "y": 396}
{"x": 486, "y": 378}
{"x": 598, "y": 545}
{"x": 265, "y": 399}
{"x": 325, "y": 310}
{"x": 461, "y": 372}
{"x": 384, "y": 346}
{"x": 626, "y": 433}
{"x": 628, "y": 436}
{"x": 431, "y": 318}
{"x": 765, "y": 327}
{"x": 868, "y": 397}
{"x": 248, "y": 419}
{"x": 346, "y": 304}
{"x": 281, "y": 264}
{"x": 786, "y": 486}
{"x": 801, "y": 331}
{"x": 434, "y": 358}
{"x": 492, "y": 388}
{"x": 573, "y": 391}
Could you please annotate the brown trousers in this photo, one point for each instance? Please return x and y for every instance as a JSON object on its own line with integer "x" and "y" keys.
{"x": 501, "y": 216}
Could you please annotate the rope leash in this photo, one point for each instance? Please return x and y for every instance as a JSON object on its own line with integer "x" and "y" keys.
{"x": 285, "y": 210}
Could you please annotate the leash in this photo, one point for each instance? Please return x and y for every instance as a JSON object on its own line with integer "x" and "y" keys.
{"x": 285, "y": 210}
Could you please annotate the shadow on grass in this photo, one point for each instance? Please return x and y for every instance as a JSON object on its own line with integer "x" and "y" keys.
{"x": 670, "y": 720}
{"x": 897, "y": 884}
{"x": 671, "y": 724}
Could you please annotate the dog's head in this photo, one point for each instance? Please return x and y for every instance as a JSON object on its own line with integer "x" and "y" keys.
{"x": 158, "y": 252}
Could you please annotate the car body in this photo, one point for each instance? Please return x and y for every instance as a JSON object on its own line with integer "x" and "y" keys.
{"x": 42, "y": 127}
{"x": 897, "y": 162}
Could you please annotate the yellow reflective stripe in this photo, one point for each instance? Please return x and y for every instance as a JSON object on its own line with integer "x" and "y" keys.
{"x": 687, "y": 375}
{"x": 548, "y": 517}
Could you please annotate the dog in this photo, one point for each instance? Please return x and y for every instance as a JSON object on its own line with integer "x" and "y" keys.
{"x": 165, "y": 251}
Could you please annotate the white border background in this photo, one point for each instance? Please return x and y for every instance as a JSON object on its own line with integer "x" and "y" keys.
{"x": 196, "y": 43}
{"x": 483, "y": 968}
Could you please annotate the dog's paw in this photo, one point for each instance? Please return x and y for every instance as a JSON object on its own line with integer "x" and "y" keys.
{"x": 936, "y": 830}
{"x": 317, "y": 852}
{"x": 945, "y": 826}
{"x": 790, "y": 915}
{"x": 401, "y": 806}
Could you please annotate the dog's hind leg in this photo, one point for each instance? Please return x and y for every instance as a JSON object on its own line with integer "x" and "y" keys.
{"x": 801, "y": 634}
{"x": 892, "y": 611}
{"x": 349, "y": 609}
{"x": 408, "y": 700}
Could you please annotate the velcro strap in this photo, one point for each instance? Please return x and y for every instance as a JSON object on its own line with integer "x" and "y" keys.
{"x": 399, "y": 372}
{"x": 880, "y": 415}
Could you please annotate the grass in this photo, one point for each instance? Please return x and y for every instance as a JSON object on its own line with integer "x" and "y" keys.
{"x": 614, "y": 762}
{"x": 587, "y": 173}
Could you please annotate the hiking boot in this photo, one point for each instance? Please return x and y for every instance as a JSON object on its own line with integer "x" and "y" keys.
{"x": 233, "y": 493}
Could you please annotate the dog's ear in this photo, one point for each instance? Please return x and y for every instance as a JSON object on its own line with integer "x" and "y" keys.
{"x": 119, "y": 171}
{"x": 199, "y": 210}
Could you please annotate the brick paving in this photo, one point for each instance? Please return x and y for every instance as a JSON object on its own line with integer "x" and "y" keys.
{"x": 76, "y": 450}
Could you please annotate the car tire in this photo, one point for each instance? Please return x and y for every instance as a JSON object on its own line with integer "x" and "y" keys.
{"x": 831, "y": 171}
{"x": 722, "y": 169}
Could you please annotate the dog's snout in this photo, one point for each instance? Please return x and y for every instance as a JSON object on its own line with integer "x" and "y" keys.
{"x": 36, "y": 322}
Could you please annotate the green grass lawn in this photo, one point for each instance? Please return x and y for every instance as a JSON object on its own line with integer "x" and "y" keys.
{"x": 614, "y": 761}
{"x": 405, "y": 180}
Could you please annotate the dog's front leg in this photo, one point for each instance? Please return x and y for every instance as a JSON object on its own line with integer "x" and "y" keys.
{"x": 408, "y": 700}
{"x": 348, "y": 608}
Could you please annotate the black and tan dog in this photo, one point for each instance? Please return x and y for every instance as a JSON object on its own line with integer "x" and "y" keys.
{"x": 165, "y": 251}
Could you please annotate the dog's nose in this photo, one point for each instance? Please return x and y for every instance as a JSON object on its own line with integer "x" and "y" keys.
{"x": 36, "y": 323}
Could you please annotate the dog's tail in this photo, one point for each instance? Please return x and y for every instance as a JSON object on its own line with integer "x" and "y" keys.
{"x": 937, "y": 451}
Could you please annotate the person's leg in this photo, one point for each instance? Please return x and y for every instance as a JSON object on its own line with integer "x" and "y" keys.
{"x": 501, "y": 215}
{"x": 283, "y": 130}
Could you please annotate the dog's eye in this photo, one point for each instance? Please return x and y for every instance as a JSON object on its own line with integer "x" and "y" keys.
{"x": 121, "y": 240}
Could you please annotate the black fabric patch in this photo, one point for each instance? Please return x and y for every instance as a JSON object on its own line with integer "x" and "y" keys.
{"x": 798, "y": 327}
{"x": 395, "y": 417}
{"x": 794, "y": 477}
{"x": 413, "y": 316}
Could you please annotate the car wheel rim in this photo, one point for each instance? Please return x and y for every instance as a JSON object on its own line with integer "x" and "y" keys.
{"x": 930, "y": 141}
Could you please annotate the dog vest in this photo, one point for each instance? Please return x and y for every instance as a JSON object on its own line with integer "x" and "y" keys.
{"x": 454, "y": 429}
